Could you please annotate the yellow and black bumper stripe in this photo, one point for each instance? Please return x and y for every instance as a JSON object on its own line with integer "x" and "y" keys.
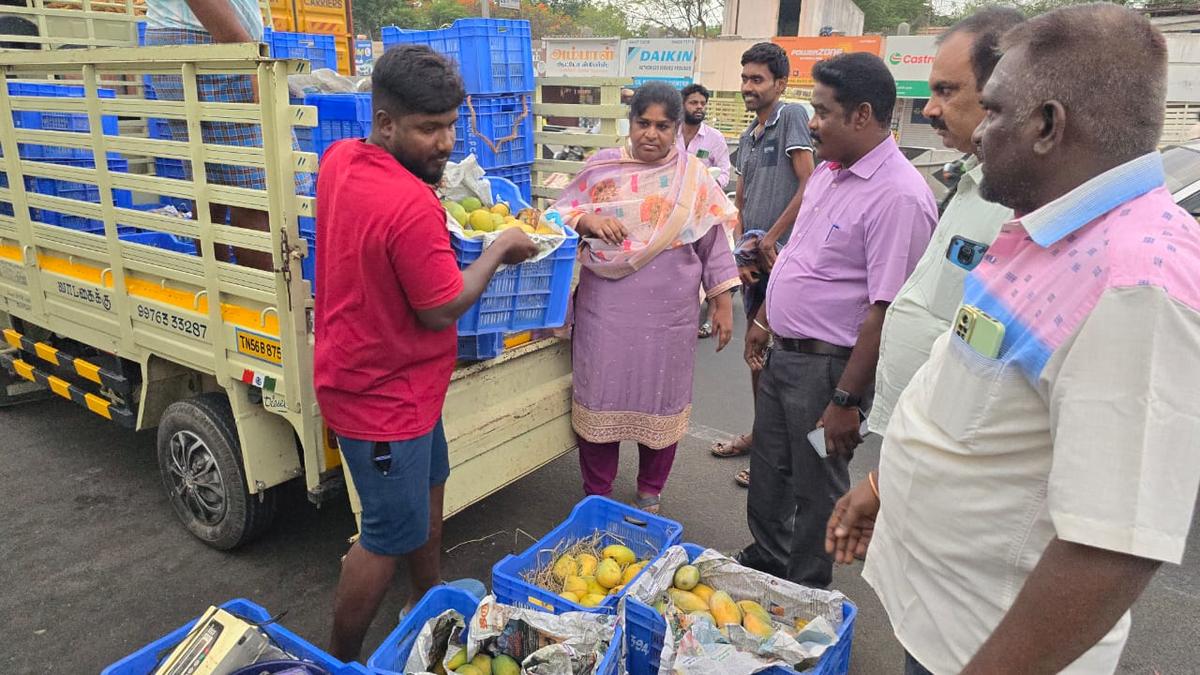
{"x": 65, "y": 363}
{"x": 67, "y": 390}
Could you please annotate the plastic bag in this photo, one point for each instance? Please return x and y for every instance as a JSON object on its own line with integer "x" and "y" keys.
{"x": 698, "y": 647}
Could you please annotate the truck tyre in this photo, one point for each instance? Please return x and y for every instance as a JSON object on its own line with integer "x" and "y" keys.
{"x": 200, "y": 460}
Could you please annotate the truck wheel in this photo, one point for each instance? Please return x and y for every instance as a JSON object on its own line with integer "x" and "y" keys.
{"x": 200, "y": 461}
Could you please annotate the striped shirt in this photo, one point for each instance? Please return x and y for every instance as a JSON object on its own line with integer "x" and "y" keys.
{"x": 176, "y": 14}
{"x": 1084, "y": 428}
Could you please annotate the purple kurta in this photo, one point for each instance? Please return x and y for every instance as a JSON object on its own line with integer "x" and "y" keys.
{"x": 634, "y": 343}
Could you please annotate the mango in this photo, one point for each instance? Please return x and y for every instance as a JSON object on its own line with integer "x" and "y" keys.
{"x": 632, "y": 571}
{"x": 587, "y": 564}
{"x": 594, "y": 587}
{"x": 471, "y": 204}
{"x": 473, "y": 233}
{"x": 703, "y": 592}
{"x": 608, "y": 573}
{"x": 483, "y": 662}
{"x": 686, "y": 601}
{"x": 458, "y": 660}
{"x": 456, "y": 211}
{"x": 758, "y": 625}
{"x": 470, "y": 670}
{"x": 575, "y": 585}
{"x": 593, "y": 599}
{"x": 497, "y": 221}
{"x": 504, "y": 664}
{"x": 661, "y": 606}
{"x": 565, "y": 567}
{"x": 616, "y": 589}
{"x": 526, "y": 229}
{"x": 686, "y": 577}
{"x": 500, "y": 208}
{"x": 622, "y": 554}
{"x": 569, "y": 595}
{"x": 724, "y": 609}
{"x": 481, "y": 220}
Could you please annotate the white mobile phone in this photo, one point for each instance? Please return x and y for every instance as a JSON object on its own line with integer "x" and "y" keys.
{"x": 816, "y": 437}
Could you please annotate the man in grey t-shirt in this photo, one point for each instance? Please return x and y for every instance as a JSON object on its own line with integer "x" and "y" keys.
{"x": 774, "y": 161}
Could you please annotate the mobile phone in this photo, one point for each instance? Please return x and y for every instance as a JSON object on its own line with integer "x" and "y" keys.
{"x": 983, "y": 333}
{"x": 816, "y": 437}
{"x": 965, "y": 253}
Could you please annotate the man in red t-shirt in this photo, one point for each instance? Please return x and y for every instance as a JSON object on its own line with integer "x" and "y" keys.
{"x": 389, "y": 292}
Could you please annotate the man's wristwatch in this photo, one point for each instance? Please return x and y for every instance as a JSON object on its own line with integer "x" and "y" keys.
{"x": 845, "y": 399}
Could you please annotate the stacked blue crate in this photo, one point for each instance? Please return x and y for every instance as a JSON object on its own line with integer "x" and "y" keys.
{"x": 56, "y": 154}
{"x": 495, "y": 57}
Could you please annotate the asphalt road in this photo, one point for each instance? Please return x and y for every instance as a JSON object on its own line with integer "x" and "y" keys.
{"x": 93, "y": 564}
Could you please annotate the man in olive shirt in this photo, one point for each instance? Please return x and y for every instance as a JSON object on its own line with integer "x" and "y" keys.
{"x": 929, "y": 299}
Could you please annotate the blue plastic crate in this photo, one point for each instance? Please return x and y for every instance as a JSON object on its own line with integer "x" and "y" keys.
{"x": 318, "y": 49}
{"x": 519, "y": 175}
{"x": 648, "y": 535}
{"x": 392, "y": 654}
{"x": 304, "y": 138}
{"x": 504, "y": 190}
{"x": 308, "y": 264}
{"x": 495, "y": 118}
{"x": 521, "y": 297}
{"x": 85, "y": 192}
{"x": 163, "y": 240}
{"x": 56, "y": 121}
{"x": 480, "y": 347}
{"x": 144, "y": 660}
{"x": 495, "y": 56}
{"x": 339, "y": 116}
{"x": 646, "y": 630}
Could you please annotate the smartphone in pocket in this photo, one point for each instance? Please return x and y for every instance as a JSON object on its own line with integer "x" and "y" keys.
{"x": 983, "y": 333}
{"x": 816, "y": 437}
{"x": 965, "y": 253}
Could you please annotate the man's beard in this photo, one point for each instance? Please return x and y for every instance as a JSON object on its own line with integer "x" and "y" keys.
{"x": 693, "y": 119}
{"x": 425, "y": 172}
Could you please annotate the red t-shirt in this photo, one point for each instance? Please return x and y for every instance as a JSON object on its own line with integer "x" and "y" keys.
{"x": 383, "y": 252}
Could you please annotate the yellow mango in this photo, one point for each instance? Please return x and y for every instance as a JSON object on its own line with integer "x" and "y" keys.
{"x": 575, "y": 585}
{"x": 594, "y": 587}
{"x": 504, "y": 664}
{"x": 458, "y": 660}
{"x": 481, "y": 220}
{"x": 616, "y": 589}
{"x": 483, "y": 662}
{"x": 608, "y": 573}
{"x": 622, "y": 554}
{"x": 587, "y": 564}
{"x": 565, "y": 567}
{"x": 500, "y": 208}
{"x": 686, "y": 577}
{"x": 686, "y": 601}
{"x": 593, "y": 599}
{"x": 758, "y": 624}
{"x": 632, "y": 571}
{"x": 470, "y": 670}
{"x": 569, "y": 595}
{"x": 703, "y": 592}
{"x": 724, "y": 609}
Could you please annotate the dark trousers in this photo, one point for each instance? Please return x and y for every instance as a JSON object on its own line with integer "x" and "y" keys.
{"x": 914, "y": 667}
{"x": 792, "y": 489}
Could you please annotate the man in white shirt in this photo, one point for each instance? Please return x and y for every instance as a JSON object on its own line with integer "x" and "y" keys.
{"x": 926, "y": 305}
{"x": 1041, "y": 465}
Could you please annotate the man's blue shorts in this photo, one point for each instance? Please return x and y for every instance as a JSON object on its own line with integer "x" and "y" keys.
{"x": 395, "y": 491}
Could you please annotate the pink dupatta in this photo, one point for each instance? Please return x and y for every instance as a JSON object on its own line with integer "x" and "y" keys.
{"x": 672, "y": 203}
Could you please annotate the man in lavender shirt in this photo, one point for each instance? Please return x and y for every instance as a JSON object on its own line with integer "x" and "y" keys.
{"x": 867, "y": 216}
{"x": 698, "y": 138}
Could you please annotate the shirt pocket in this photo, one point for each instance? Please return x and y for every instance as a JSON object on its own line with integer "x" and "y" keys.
{"x": 947, "y": 290}
{"x": 964, "y": 390}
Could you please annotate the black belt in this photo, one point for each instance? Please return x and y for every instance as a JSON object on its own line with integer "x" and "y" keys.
{"x": 812, "y": 346}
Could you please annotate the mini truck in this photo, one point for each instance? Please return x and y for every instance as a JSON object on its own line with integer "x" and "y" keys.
{"x": 109, "y": 302}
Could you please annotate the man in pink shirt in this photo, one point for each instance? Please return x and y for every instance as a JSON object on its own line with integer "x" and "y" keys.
{"x": 866, "y": 217}
{"x": 698, "y": 138}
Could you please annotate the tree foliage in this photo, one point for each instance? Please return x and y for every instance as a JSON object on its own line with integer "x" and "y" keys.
{"x": 678, "y": 18}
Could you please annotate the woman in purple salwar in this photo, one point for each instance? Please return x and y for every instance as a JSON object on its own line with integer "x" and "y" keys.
{"x": 652, "y": 221}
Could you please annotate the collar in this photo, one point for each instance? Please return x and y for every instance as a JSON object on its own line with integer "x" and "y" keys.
{"x": 772, "y": 120}
{"x": 701, "y": 132}
{"x": 1099, "y": 195}
{"x": 868, "y": 164}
